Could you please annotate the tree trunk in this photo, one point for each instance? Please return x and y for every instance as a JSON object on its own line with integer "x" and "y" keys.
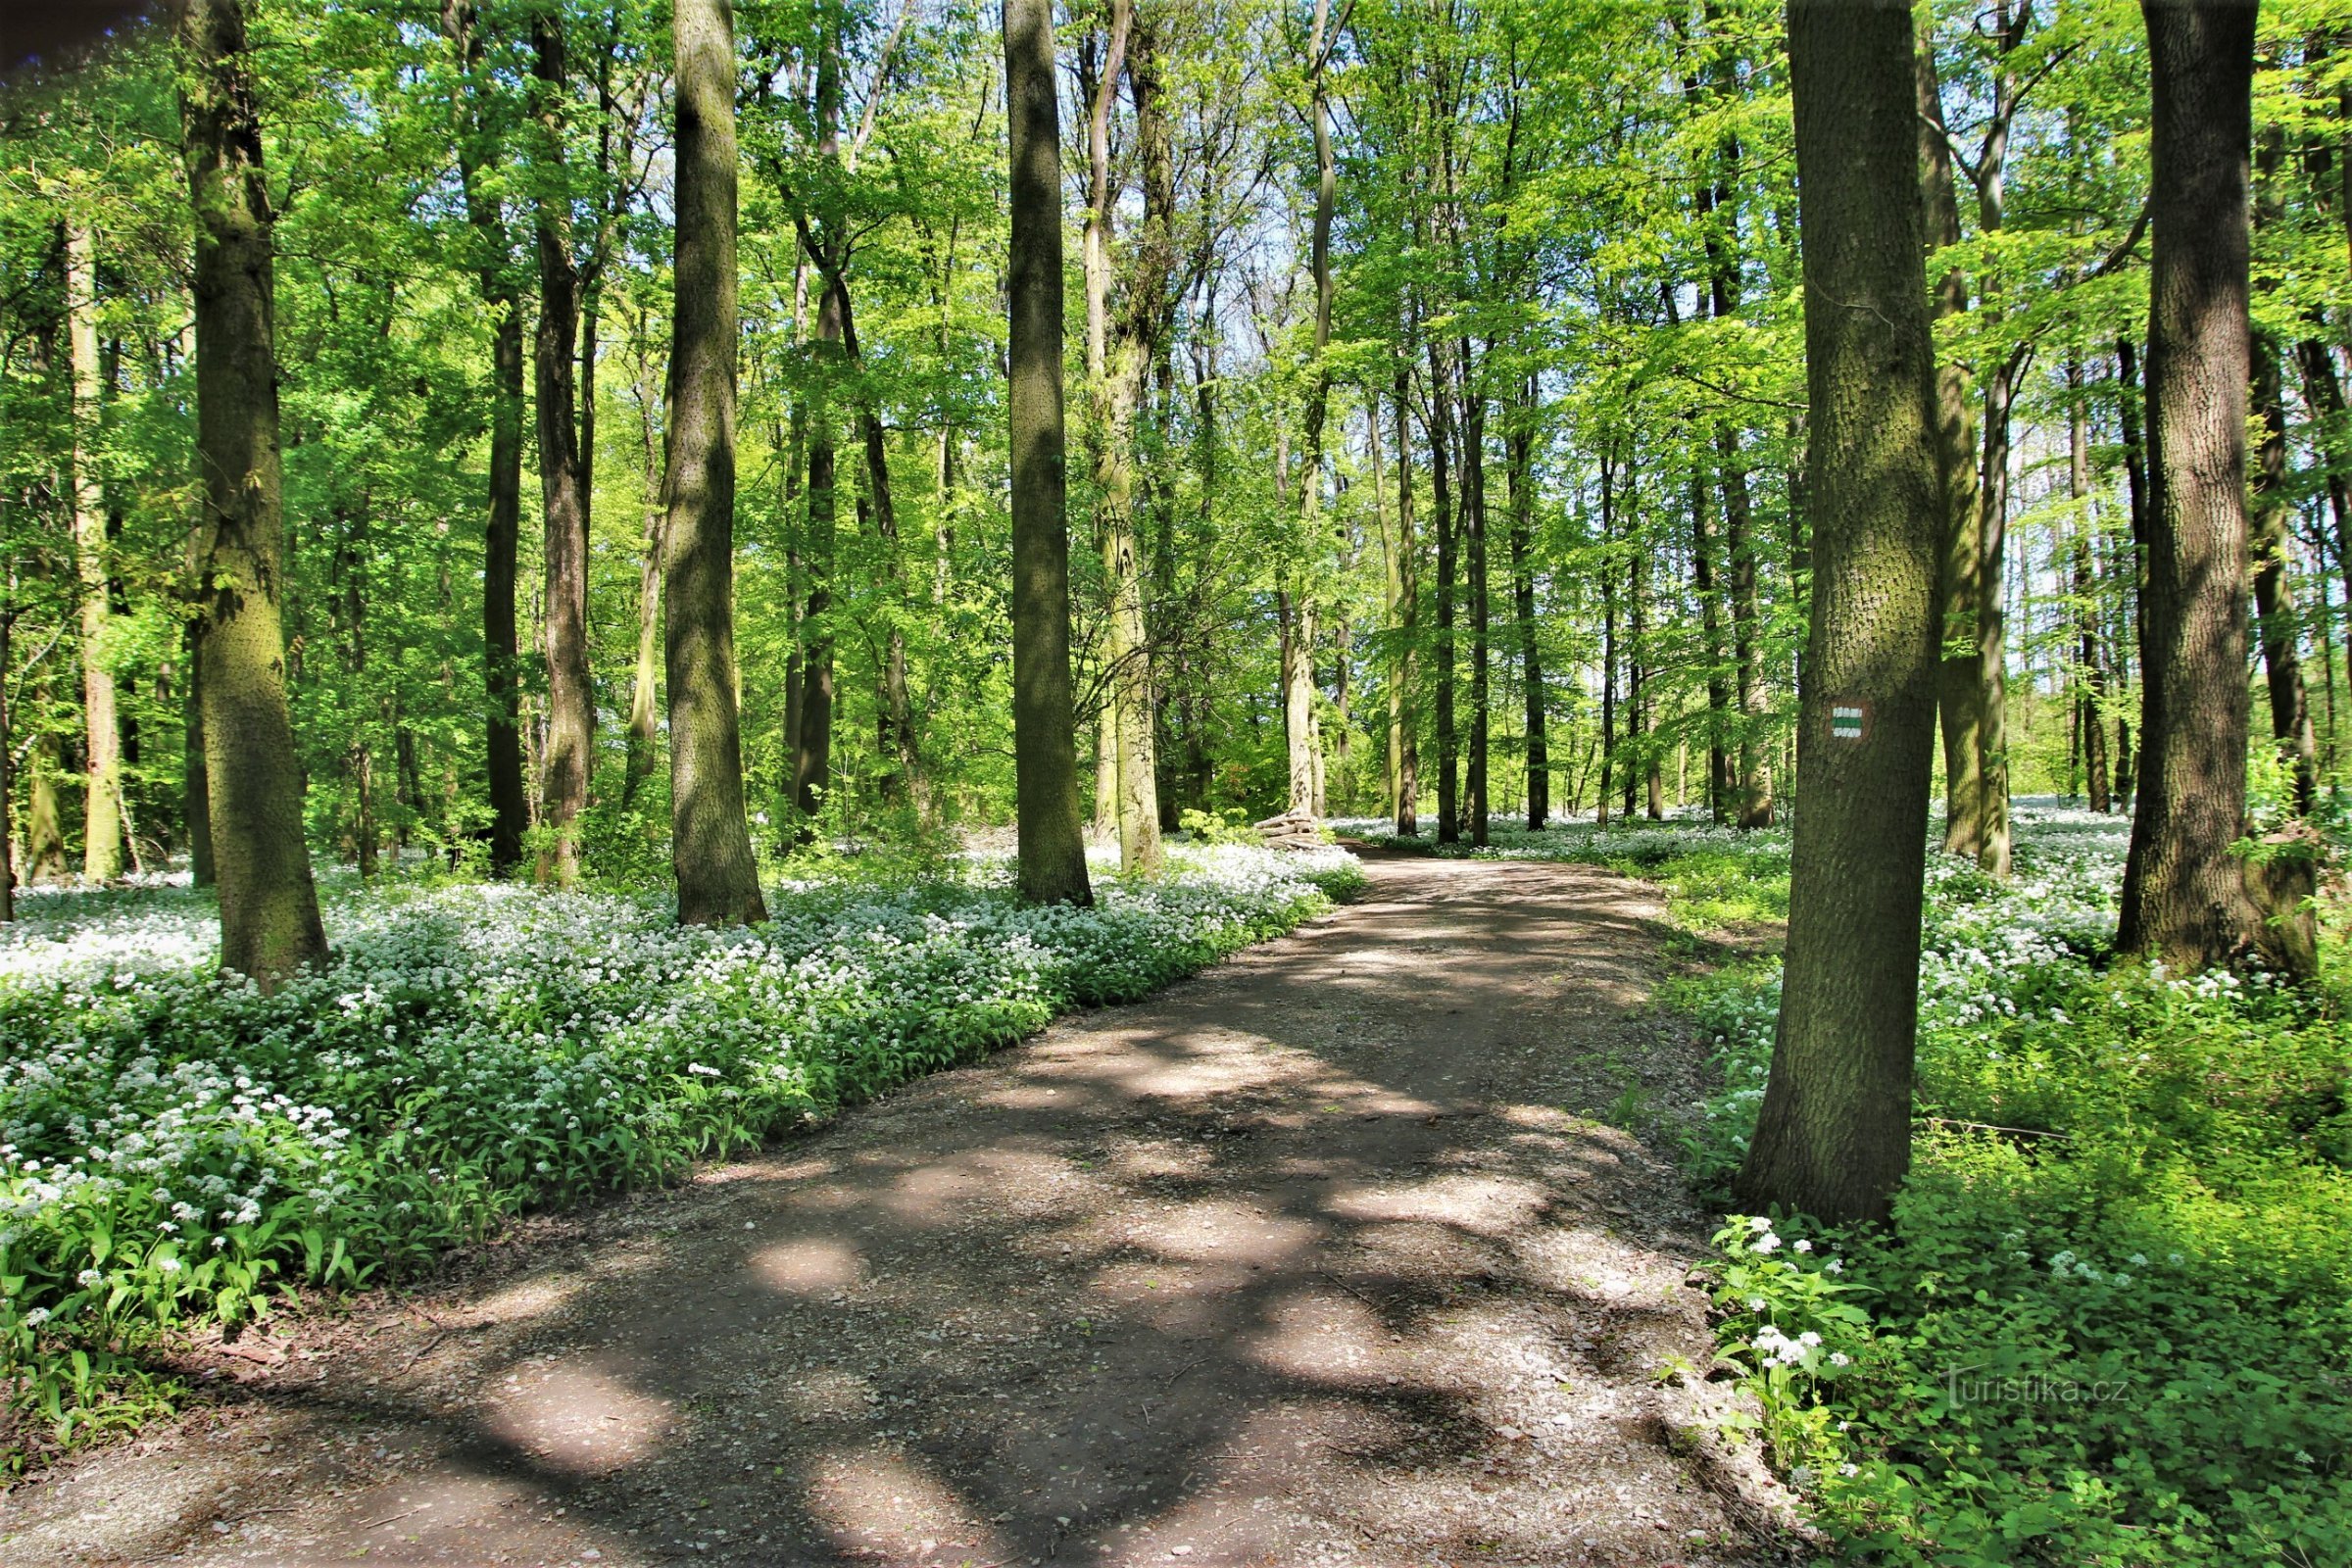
{"x": 1304, "y": 730}
{"x": 1834, "y": 1136}
{"x": 1051, "y": 866}
{"x": 510, "y": 804}
{"x": 1474, "y": 535}
{"x": 2278, "y": 619}
{"x": 1608, "y": 640}
{"x": 711, "y": 843}
{"x": 569, "y": 756}
{"x": 1116, "y": 364}
{"x": 102, "y": 746}
{"x": 196, "y": 802}
{"x": 1992, "y": 627}
{"x": 2092, "y": 667}
{"x": 2184, "y": 897}
{"x": 1957, "y": 689}
{"x": 645, "y": 671}
{"x": 1523, "y": 600}
{"x": 1710, "y": 599}
{"x": 1441, "y": 442}
{"x": 269, "y": 926}
{"x": 1404, "y": 599}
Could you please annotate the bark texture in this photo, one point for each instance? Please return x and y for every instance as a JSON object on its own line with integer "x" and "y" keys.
{"x": 269, "y": 906}
{"x": 569, "y": 764}
{"x": 711, "y": 843}
{"x": 1052, "y": 865}
{"x": 1834, "y": 1138}
{"x": 2185, "y": 898}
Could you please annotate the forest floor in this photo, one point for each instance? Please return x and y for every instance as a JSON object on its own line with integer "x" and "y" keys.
{"x": 1322, "y": 1257}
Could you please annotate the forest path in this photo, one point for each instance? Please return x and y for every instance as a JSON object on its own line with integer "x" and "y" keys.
{"x": 1312, "y": 1259}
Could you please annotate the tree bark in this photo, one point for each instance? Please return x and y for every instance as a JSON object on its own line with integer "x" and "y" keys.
{"x": 2184, "y": 897}
{"x": 1608, "y": 639}
{"x": 1305, "y": 726}
{"x": 1523, "y": 598}
{"x": 2091, "y": 665}
{"x": 1441, "y": 442}
{"x": 510, "y": 804}
{"x": 269, "y": 926}
{"x": 1404, "y": 599}
{"x": 102, "y": 746}
{"x": 1957, "y": 689}
{"x": 569, "y": 761}
{"x": 1117, "y": 360}
{"x": 1473, "y": 536}
{"x": 1052, "y": 865}
{"x": 1834, "y": 1136}
{"x": 711, "y": 843}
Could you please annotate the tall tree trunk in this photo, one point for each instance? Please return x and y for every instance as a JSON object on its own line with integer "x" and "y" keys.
{"x": 1751, "y": 791}
{"x": 1710, "y": 613}
{"x": 1993, "y": 625}
{"x": 2278, "y": 621}
{"x": 1474, "y": 535}
{"x": 812, "y": 756}
{"x": 510, "y": 803}
{"x": 102, "y": 746}
{"x": 569, "y": 756}
{"x": 2135, "y": 485}
{"x": 2092, "y": 665}
{"x": 2184, "y": 897}
{"x": 1404, "y": 599}
{"x": 1608, "y": 639}
{"x": 1306, "y": 549}
{"x": 1116, "y": 365}
{"x": 645, "y": 672}
{"x": 1957, "y": 688}
{"x": 1834, "y": 1135}
{"x": 1052, "y": 865}
{"x": 711, "y": 843}
{"x": 1523, "y": 601}
{"x": 1441, "y": 442}
{"x": 269, "y": 926}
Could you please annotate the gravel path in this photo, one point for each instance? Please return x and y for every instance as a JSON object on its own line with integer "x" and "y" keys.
{"x": 1315, "y": 1258}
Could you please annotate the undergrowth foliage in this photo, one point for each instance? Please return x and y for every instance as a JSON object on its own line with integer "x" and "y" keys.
{"x": 2110, "y": 1323}
{"x": 176, "y": 1146}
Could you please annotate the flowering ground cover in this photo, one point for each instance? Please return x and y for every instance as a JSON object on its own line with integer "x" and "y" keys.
{"x": 176, "y": 1147}
{"x": 2111, "y": 1323}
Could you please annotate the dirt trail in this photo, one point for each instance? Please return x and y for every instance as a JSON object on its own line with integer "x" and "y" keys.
{"x": 1309, "y": 1259}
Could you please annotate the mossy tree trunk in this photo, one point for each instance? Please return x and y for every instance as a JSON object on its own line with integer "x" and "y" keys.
{"x": 1834, "y": 1138}
{"x": 269, "y": 926}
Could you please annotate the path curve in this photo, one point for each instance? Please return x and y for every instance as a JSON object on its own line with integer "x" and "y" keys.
{"x": 1312, "y": 1259}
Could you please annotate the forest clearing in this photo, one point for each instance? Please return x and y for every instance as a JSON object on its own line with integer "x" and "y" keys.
{"x": 1176, "y": 781}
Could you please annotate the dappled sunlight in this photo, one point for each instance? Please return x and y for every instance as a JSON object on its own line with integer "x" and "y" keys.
{"x": 575, "y": 1418}
{"x": 876, "y": 1502}
{"x": 809, "y": 1266}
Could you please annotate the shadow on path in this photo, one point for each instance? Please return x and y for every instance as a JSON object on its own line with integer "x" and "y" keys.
{"x": 1306, "y": 1259}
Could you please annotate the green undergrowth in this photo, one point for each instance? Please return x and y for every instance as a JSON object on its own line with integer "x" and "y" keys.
{"x": 177, "y": 1150}
{"x": 2109, "y": 1325}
